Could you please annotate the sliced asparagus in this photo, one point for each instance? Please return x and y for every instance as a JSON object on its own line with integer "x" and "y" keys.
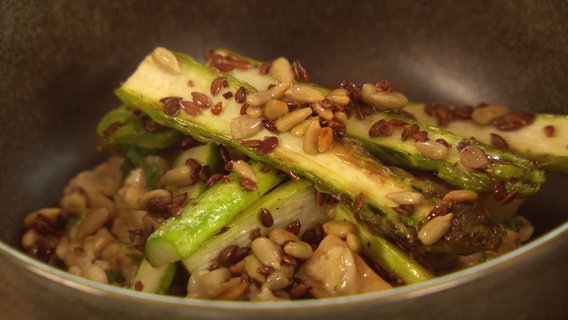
{"x": 204, "y": 216}
{"x": 153, "y": 279}
{"x": 288, "y": 202}
{"x": 383, "y": 253}
{"x": 447, "y": 154}
{"x": 513, "y": 173}
{"x": 123, "y": 127}
{"x": 343, "y": 169}
{"x": 158, "y": 279}
{"x": 543, "y": 140}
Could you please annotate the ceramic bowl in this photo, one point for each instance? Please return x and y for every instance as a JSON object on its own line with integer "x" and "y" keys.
{"x": 61, "y": 60}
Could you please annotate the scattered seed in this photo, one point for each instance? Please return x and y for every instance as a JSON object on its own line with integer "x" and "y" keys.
{"x": 340, "y": 116}
{"x": 226, "y": 256}
{"x": 338, "y": 228}
{"x": 473, "y": 157}
{"x": 432, "y": 149}
{"x": 267, "y": 252}
{"x": 201, "y": 99}
{"x": 359, "y": 203}
{"x": 300, "y": 72}
{"x": 217, "y": 85}
{"x": 171, "y": 106}
{"x": 406, "y": 197}
{"x": 166, "y": 60}
{"x": 213, "y": 180}
{"x": 190, "y": 107}
{"x": 244, "y": 170}
{"x": 243, "y": 127}
{"x": 300, "y": 129}
{"x": 275, "y": 109}
{"x": 298, "y": 249}
{"x": 217, "y": 108}
{"x": 353, "y": 242}
{"x": 241, "y": 95}
{"x": 311, "y": 137}
{"x": 382, "y": 99}
{"x": 439, "y": 210}
{"x": 435, "y": 229}
{"x": 248, "y": 184}
{"x": 180, "y": 176}
{"x": 323, "y": 112}
{"x": 268, "y": 144}
{"x": 260, "y": 98}
{"x": 294, "y": 226}
{"x": 549, "y": 131}
{"x": 404, "y": 209}
{"x": 269, "y": 125}
{"x": 513, "y": 120}
{"x": 498, "y": 141}
{"x": 288, "y": 260}
{"x": 325, "y": 139}
{"x": 486, "y": 114}
{"x": 409, "y": 132}
{"x": 290, "y": 120}
{"x": 264, "y": 67}
{"x": 339, "y": 97}
{"x": 381, "y": 128}
{"x": 281, "y": 236}
{"x": 254, "y": 112}
{"x": 509, "y": 197}
{"x": 461, "y": 196}
{"x": 443, "y": 142}
{"x": 224, "y": 67}
{"x": 227, "y": 95}
{"x": 266, "y": 218}
{"x": 314, "y": 235}
{"x": 281, "y": 70}
{"x": 304, "y": 93}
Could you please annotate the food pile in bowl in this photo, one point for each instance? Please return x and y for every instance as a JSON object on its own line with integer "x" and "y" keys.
{"x": 240, "y": 179}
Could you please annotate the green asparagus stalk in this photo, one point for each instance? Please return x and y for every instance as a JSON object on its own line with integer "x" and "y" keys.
{"x": 343, "y": 169}
{"x": 206, "y": 215}
{"x": 123, "y": 127}
{"x": 542, "y": 140}
{"x": 383, "y": 253}
{"x": 158, "y": 279}
{"x": 513, "y": 173}
{"x": 290, "y": 201}
{"x": 516, "y": 174}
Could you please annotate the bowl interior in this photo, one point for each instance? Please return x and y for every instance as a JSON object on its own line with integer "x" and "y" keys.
{"x": 62, "y": 60}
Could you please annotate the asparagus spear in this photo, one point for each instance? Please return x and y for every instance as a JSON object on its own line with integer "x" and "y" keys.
{"x": 158, "y": 279}
{"x": 382, "y": 252}
{"x": 427, "y": 148}
{"x": 153, "y": 279}
{"x": 204, "y": 216}
{"x": 163, "y": 92}
{"x": 123, "y": 127}
{"x": 446, "y": 154}
{"x": 541, "y": 137}
{"x": 290, "y": 201}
